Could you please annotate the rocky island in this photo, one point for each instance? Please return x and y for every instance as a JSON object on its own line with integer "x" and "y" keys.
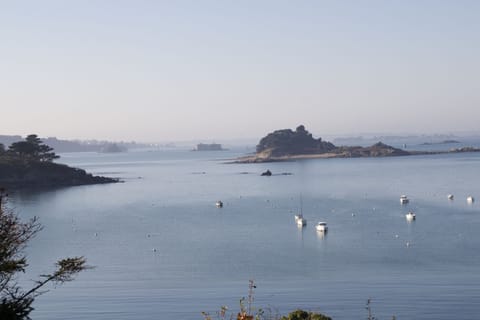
{"x": 29, "y": 164}
{"x": 286, "y": 144}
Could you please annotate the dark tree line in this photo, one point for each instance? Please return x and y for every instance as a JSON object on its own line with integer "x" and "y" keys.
{"x": 31, "y": 149}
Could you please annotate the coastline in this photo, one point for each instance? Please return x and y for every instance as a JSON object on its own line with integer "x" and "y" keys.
{"x": 261, "y": 158}
{"x": 284, "y": 158}
{"x": 19, "y": 175}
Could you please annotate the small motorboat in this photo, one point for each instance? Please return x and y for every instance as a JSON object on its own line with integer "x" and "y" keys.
{"x": 470, "y": 199}
{"x": 403, "y": 199}
{"x": 410, "y": 216}
{"x": 301, "y": 222}
{"x": 219, "y": 204}
{"x": 450, "y": 197}
{"x": 321, "y": 227}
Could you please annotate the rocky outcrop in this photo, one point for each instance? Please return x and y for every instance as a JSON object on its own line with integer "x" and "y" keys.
{"x": 288, "y": 145}
{"x": 267, "y": 173}
{"x": 285, "y": 145}
{"x": 377, "y": 150}
{"x": 287, "y": 142}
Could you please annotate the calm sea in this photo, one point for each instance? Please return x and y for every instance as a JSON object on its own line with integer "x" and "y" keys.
{"x": 162, "y": 250}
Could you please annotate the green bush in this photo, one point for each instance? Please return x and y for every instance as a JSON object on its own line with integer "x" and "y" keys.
{"x": 304, "y": 315}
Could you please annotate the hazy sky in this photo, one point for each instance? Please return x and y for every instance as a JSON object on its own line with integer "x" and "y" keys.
{"x": 176, "y": 70}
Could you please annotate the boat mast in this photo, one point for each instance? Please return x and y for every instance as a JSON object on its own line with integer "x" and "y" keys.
{"x": 301, "y": 204}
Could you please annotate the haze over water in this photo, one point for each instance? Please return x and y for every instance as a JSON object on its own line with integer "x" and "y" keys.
{"x": 154, "y": 71}
{"x": 204, "y": 256}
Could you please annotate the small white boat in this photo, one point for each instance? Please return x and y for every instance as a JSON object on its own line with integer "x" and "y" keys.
{"x": 321, "y": 227}
{"x": 301, "y": 222}
{"x": 410, "y": 216}
{"x": 299, "y": 219}
{"x": 403, "y": 199}
{"x": 450, "y": 197}
{"x": 470, "y": 199}
{"x": 219, "y": 204}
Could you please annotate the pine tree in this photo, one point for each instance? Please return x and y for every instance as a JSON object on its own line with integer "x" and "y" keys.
{"x": 32, "y": 149}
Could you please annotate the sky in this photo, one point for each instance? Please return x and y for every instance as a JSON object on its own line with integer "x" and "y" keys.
{"x": 209, "y": 70}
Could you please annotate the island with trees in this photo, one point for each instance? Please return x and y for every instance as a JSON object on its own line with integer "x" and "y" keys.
{"x": 30, "y": 164}
{"x": 287, "y": 145}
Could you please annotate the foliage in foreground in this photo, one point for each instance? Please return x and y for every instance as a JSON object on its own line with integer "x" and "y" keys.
{"x": 248, "y": 312}
{"x": 15, "y": 302}
{"x": 304, "y": 315}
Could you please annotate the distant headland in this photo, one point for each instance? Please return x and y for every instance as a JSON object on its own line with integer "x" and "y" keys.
{"x": 440, "y": 142}
{"x": 62, "y": 146}
{"x": 287, "y": 145}
{"x": 29, "y": 164}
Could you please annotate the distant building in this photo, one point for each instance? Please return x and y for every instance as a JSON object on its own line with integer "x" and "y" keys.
{"x": 209, "y": 147}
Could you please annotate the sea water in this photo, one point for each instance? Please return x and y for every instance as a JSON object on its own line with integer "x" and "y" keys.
{"x": 162, "y": 250}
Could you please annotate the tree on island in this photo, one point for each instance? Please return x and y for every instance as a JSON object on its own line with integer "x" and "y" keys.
{"x": 288, "y": 142}
{"x": 32, "y": 149}
{"x": 16, "y": 303}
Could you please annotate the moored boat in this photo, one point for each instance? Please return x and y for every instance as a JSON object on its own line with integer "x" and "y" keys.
{"x": 301, "y": 222}
{"x": 321, "y": 227}
{"x": 299, "y": 219}
{"x": 403, "y": 199}
{"x": 410, "y": 216}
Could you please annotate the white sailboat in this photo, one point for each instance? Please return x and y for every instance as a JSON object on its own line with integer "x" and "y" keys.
{"x": 299, "y": 219}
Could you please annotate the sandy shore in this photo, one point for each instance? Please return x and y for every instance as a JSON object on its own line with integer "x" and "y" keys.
{"x": 259, "y": 159}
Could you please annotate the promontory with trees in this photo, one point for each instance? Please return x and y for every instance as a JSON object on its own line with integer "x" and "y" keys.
{"x": 286, "y": 144}
{"x": 29, "y": 164}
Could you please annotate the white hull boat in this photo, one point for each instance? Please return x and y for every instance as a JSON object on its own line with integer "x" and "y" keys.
{"x": 321, "y": 227}
{"x": 410, "y": 216}
{"x": 301, "y": 222}
{"x": 404, "y": 199}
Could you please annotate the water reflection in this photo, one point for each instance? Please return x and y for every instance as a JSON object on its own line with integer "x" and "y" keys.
{"x": 321, "y": 235}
